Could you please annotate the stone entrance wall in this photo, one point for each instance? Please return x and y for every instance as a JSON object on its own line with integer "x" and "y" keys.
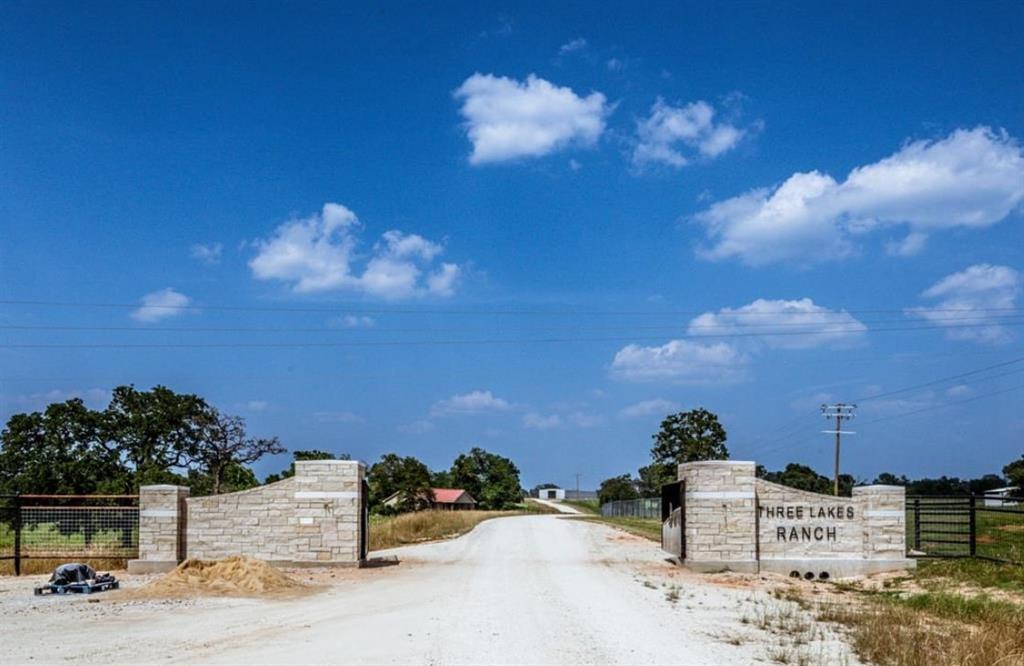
{"x": 737, "y": 522}
{"x": 312, "y": 518}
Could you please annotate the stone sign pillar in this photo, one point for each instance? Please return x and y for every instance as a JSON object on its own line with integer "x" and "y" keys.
{"x": 883, "y": 509}
{"x": 162, "y": 523}
{"x": 721, "y": 518}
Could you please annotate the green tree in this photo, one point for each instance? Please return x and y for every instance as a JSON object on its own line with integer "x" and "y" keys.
{"x": 617, "y": 488}
{"x": 62, "y": 450}
{"x": 651, "y": 478}
{"x": 225, "y": 445}
{"x": 406, "y": 476}
{"x": 689, "y": 436}
{"x": 234, "y": 477}
{"x": 889, "y": 479}
{"x": 491, "y": 479}
{"x": 803, "y": 477}
{"x": 1014, "y": 473}
{"x": 312, "y": 454}
{"x": 157, "y": 431}
{"x": 441, "y": 479}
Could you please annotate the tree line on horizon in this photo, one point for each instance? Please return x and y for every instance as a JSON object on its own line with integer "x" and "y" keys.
{"x": 160, "y": 436}
{"x": 698, "y": 435}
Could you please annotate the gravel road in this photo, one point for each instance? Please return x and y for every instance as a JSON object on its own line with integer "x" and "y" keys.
{"x": 525, "y": 590}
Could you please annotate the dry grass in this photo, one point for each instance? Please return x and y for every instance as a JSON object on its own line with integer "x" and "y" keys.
{"x": 31, "y": 566}
{"x": 422, "y": 526}
{"x": 924, "y": 631}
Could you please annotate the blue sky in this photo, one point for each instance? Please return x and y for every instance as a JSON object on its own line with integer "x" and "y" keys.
{"x": 537, "y": 230}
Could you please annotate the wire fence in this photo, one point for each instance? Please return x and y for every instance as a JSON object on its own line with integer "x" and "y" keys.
{"x": 986, "y": 526}
{"x": 47, "y": 529}
{"x": 645, "y": 507}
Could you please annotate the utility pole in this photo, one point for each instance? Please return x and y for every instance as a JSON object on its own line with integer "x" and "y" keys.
{"x": 839, "y": 411}
{"x": 578, "y": 485}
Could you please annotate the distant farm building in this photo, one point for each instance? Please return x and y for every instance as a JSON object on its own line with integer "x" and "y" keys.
{"x": 551, "y": 494}
{"x": 445, "y": 499}
{"x": 1007, "y": 496}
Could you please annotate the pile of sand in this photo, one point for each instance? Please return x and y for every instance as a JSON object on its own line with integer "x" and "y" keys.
{"x": 231, "y": 577}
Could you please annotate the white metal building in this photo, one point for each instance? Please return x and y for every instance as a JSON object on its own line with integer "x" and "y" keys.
{"x": 551, "y": 494}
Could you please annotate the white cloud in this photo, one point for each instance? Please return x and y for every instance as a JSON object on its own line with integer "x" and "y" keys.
{"x": 257, "y": 406}
{"x": 353, "y": 321}
{"x": 573, "y": 45}
{"x": 535, "y": 421}
{"x": 571, "y": 419}
{"x": 161, "y": 304}
{"x": 417, "y": 427}
{"x": 681, "y": 361}
{"x": 506, "y": 119}
{"x": 663, "y": 136}
{"x": 338, "y": 417}
{"x": 94, "y": 398}
{"x": 442, "y": 282}
{"x": 657, "y": 406}
{"x": 318, "y": 253}
{"x": 473, "y": 402}
{"x": 960, "y": 391}
{"x": 912, "y": 244}
{"x": 208, "y": 253}
{"x": 615, "y": 65}
{"x": 972, "y": 302}
{"x": 774, "y": 322}
{"x": 971, "y": 178}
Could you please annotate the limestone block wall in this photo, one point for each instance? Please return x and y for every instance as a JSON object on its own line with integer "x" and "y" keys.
{"x": 734, "y": 521}
{"x": 797, "y": 524}
{"x": 884, "y": 521}
{"x": 162, "y": 524}
{"x": 721, "y": 521}
{"x": 311, "y": 518}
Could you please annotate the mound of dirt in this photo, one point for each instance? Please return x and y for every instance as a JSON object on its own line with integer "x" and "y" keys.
{"x": 230, "y": 577}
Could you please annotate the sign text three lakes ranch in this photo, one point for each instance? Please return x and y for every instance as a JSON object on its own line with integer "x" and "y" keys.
{"x": 790, "y": 513}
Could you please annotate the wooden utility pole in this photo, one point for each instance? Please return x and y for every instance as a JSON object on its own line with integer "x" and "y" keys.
{"x": 840, "y": 411}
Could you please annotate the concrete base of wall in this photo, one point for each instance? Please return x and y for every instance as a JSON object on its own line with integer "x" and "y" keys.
{"x": 150, "y": 566}
{"x": 718, "y": 566}
{"x": 290, "y": 564}
{"x": 836, "y": 568}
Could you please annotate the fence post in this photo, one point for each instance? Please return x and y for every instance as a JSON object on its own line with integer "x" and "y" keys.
{"x": 973, "y": 525}
{"x": 17, "y": 535}
{"x": 917, "y": 524}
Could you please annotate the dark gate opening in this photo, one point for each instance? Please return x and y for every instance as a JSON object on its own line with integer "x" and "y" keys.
{"x": 673, "y": 518}
{"x": 364, "y": 517}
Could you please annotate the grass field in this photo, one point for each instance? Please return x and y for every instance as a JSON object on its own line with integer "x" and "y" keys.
{"x": 44, "y": 547}
{"x": 422, "y": 526}
{"x": 644, "y": 527}
{"x": 586, "y": 506}
{"x": 999, "y": 534}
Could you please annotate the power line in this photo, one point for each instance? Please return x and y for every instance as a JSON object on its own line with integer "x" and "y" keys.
{"x": 943, "y": 380}
{"x": 359, "y": 309}
{"x": 853, "y": 326}
{"x": 468, "y": 341}
{"x": 946, "y": 404}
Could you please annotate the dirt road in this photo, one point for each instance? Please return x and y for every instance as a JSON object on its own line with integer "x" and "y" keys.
{"x": 525, "y": 590}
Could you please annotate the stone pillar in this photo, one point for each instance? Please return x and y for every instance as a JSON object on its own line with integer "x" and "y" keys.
{"x": 884, "y": 514}
{"x": 162, "y": 522}
{"x": 721, "y": 515}
{"x": 328, "y": 508}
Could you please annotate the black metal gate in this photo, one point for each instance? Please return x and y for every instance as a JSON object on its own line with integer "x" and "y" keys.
{"x": 987, "y": 527}
{"x": 364, "y": 517}
{"x": 37, "y": 532}
{"x": 673, "y": 517}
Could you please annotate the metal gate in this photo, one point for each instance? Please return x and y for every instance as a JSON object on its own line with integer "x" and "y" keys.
{"x": 988, "y": 527}
{"x": 673, "y": 518}
{"x": 37, "y": 532}
{"x": 364, "y": 517}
